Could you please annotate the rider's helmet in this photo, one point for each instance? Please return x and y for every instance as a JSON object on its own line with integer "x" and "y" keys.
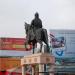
{"x": 36, "y": 14}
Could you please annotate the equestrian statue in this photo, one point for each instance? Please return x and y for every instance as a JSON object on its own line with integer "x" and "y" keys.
{"x": 36, "y": 34}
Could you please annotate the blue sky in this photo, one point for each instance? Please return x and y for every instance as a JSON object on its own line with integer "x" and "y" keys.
{"x": 55, "y": 14}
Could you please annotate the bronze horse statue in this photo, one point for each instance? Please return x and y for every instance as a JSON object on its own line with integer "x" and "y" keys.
{"x": 39, "y": 37}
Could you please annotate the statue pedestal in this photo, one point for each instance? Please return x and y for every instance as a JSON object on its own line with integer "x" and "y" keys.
{"x": 40, "y": 59}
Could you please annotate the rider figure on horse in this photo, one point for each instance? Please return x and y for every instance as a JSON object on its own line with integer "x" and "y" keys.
{"x": 36, "y": 23}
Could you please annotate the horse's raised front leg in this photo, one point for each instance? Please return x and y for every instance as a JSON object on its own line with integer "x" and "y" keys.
{"x": 25, "y": 45}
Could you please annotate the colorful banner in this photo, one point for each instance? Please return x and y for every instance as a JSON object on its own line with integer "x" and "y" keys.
{"x": 14, "y": 44}
{"x": 63, "y": 43}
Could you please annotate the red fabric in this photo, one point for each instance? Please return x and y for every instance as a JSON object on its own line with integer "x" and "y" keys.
{"x": 7, "y": 73}
{"x": 2, "y": 73}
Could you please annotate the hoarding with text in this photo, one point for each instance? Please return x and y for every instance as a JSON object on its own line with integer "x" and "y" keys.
{"x": 13, "y": 44}
{"x": 63, "y": 43}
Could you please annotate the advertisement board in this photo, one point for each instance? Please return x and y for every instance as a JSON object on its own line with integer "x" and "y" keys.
{"x": 63, "y": 43}
{"x": 13, "y": 44}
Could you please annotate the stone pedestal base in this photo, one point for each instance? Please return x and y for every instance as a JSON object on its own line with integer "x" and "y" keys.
{"x": 40, "y": 59}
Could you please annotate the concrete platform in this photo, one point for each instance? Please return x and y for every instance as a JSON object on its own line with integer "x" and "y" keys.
{"x": 39, "y": 58}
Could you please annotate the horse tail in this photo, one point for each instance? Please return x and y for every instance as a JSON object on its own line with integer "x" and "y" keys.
{"x": 45, "y": 36}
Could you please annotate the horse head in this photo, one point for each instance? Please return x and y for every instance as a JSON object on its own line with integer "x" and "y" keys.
{"x": 27, "y": 27}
